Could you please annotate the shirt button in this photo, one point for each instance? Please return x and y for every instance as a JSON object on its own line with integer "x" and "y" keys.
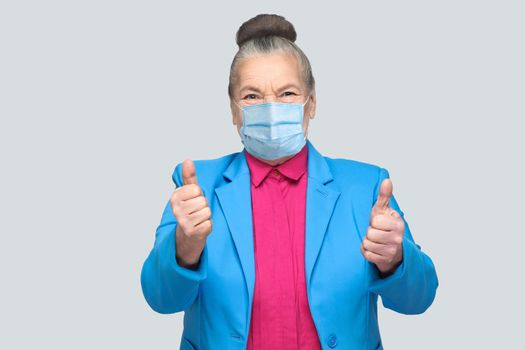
{"x": 332, "y": 341}
{"x": 276, "y": 173}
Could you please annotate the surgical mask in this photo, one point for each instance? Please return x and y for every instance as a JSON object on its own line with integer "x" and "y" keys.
{"x": 273, "y": 130}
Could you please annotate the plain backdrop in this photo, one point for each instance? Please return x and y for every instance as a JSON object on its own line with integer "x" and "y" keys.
{"x": 99, "y": 100}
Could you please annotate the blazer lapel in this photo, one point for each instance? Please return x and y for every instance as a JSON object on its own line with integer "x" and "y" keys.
{"x": 320, "y": 203}
{"x": 235, "y": 201}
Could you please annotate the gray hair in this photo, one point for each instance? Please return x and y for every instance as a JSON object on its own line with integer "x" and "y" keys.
{"x": 265, "y": 41}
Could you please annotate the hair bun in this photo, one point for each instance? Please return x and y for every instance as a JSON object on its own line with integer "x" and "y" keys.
{"x": 265, "y": 25}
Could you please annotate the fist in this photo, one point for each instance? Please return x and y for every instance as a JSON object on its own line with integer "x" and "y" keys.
{"x": 190, "y": 207}
{"x": 383, "y": 244}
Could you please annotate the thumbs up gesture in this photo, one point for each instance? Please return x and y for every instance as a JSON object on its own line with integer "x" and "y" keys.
{"x": 384, "y": 235}
{"x": 193, "y": 215}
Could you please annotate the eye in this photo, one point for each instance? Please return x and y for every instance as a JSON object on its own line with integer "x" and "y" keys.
{"x": 289, "y": 93}
{"x": 250, "y": 97}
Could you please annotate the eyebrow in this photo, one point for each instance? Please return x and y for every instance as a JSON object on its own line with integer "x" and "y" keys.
{"x": 254, "y": 88}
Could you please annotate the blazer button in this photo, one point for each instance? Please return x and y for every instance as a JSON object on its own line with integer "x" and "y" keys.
{"x": 332, "y": 341}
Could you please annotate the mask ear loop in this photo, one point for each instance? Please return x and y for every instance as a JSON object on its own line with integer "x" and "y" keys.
{"x": 305, "y": 102}
{"x": 237, "y": 104}
{"x": 242, "y": 113}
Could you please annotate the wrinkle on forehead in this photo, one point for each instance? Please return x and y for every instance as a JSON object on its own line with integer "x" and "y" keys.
{"x": 269, "y": 72}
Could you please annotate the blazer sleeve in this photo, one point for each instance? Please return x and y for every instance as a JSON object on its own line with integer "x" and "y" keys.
{"x": 411, "y": 288}
{"x": 167, "y": 286}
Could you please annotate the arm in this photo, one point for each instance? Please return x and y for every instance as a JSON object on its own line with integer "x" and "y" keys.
{"x": 411, "y": 288}
{"x": 167, "y": 286}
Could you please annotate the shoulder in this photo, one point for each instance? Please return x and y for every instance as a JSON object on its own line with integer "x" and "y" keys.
{"x": 207, "y": 169}
{"x": 355, "y": 171}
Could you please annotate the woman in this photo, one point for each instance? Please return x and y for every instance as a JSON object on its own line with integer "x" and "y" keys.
{"x": 278, "y": 246}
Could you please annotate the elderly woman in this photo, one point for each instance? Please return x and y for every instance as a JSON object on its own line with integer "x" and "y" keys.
{"x": 278, "y": 246}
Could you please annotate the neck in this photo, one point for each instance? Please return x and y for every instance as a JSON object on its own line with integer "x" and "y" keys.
{"x": 275, "y": 162}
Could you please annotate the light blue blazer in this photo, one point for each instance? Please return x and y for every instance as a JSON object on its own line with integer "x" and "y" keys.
{"x": 342, "y": 285}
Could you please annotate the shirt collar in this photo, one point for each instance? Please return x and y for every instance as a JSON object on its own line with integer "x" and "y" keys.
{"x": 293, "y": 168}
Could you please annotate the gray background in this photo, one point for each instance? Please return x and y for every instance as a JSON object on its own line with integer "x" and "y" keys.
{"x": 99, "y": 100}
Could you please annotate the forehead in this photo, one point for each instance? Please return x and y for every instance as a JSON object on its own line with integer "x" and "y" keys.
{"x": 269, "y": 71}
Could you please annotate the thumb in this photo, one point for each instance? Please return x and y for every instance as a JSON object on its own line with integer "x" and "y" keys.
{"x": 385, "y": 192}
{"x": 189, "y": 175}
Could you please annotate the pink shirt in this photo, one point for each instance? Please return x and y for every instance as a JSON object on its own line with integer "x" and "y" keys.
{"x": 281, "y": 316}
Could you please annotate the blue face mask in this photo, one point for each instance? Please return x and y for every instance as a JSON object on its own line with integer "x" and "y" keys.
{"x": 273, "y": 130}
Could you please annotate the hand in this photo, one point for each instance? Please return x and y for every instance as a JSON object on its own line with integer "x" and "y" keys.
{"x": 193, "y": 215}
{"x": 383, "y": 244}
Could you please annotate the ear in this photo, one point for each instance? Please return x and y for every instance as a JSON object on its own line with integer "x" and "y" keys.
{"x": 311, "y": 105}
